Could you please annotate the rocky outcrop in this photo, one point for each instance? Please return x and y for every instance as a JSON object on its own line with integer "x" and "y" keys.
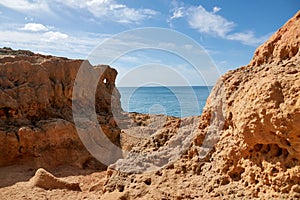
{"x": 247, "y": 141}
{"x": 36, "y": 119}
{"x": 262, "y": 116}
{"x": 282, "y": 47}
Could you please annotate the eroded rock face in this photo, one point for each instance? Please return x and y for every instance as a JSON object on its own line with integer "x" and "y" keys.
{"x": 281, "y": 47}
{"x": 35, "y": 86}
{"x": 262, "y": 135}
{"x": 245, "y": 144}
{"x": 36, "y": 108}
{"x": 252, "y": 118}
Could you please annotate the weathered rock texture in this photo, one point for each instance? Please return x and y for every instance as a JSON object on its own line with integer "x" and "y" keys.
{"x": 46, "y": 180}
{"x": 282, "y": 47}
{"x": 246, "y": 144}
{"x": 36, "y": 122}
{"x": 251, "y": 123}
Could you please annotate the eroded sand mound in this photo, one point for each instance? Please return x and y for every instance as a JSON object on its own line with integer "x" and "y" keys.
{"x": 46, "y": 180}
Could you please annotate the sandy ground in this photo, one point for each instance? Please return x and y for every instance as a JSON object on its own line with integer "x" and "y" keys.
{"x": 15, "y": 183}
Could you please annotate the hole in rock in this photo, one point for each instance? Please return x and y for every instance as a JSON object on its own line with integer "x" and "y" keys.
{"x": 121, "y": 188}
{"x": 279, "y": 153}
{"x": 271, "y": 150}
{"x": 274, "y": 170}
{"x": 265, "y": 149}
{"x": 6, "y": 110}
{"x": 148, "y": 181}
{"x": 225, "y": 181}
{"x": 258, "y": 147}
{"x": 285, "y": 153}
{"x": 236, "y": 174}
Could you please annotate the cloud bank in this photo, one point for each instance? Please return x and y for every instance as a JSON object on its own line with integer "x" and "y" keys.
{"x": 213, "y": 24}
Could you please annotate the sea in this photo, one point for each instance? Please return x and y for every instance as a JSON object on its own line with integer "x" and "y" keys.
{"x": 177, "y": 101}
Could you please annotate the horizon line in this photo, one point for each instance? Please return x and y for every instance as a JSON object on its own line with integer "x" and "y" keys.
{"x": 169, "y": 86}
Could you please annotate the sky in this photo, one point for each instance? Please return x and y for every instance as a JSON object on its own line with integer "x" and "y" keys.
{"x": 226, "y": 32}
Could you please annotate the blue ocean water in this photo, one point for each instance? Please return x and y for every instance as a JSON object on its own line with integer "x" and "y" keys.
{"x": 178, "y": 101}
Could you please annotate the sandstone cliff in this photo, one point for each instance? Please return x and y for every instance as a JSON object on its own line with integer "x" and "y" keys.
{"x": 247, "y": 143}
{"x": 36, "y": 119}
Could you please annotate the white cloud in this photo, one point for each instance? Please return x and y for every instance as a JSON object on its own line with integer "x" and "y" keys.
{"x": 208, "y": 22}
{"x": 34, "y": 27}
{"x": 51, "y": 36}
{"x": 101, "y": 9}
{"x": 178, "y": 13}
{"x": 55, "y": 43}
{"x": 247, "y": 38}
{"x": 111, "y": 10}
{"x": 216, "y": 9}
{"x": 213, "y": 24}
{"x": 26, "y": 6}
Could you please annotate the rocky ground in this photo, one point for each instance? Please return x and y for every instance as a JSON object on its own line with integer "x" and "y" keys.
{"x": 244, "y": 146}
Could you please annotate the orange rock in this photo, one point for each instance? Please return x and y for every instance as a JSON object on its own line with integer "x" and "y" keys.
{"x": 36, "y": 108}
{"x": 247, "y": 143}
{"x": 45, "y": 180}
{"x": 282, "y": 46}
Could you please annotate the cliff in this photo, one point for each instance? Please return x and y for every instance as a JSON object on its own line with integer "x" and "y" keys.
{"x": 247, "y": 142}
{"x": 36, "y": 119}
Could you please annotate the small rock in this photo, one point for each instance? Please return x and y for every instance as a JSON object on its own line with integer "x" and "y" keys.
{"x": 47, "y": 181}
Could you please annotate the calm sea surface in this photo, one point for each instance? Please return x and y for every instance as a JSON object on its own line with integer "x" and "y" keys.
{"x": 179, "y": 101}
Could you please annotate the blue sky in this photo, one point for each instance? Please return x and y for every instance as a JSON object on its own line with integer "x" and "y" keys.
{"x": 229, "y": 30}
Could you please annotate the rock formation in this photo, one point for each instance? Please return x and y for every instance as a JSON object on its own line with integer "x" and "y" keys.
{"x": 36, "y": 108}
{"x": 255, "y": 115}
{"x": 282, "y": 47}
{"x": 245, "y": 145}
